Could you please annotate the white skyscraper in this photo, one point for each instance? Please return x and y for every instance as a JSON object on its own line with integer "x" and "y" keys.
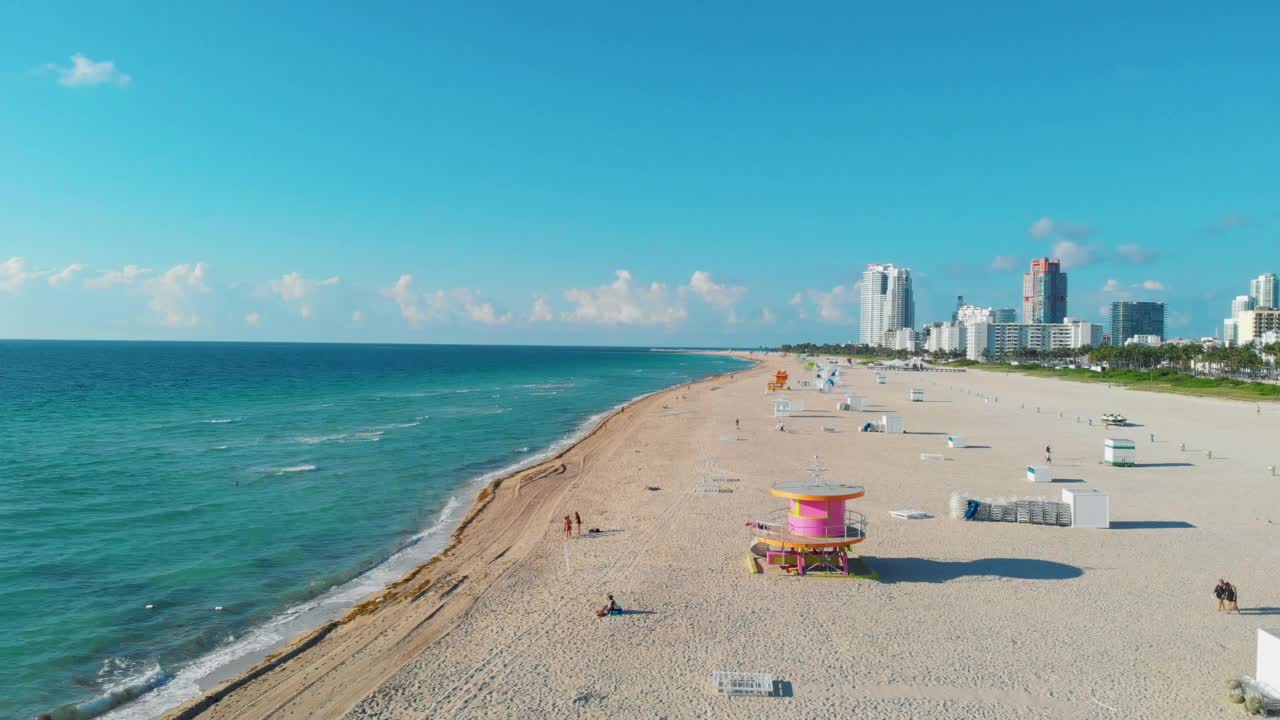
{"x": 1241, "y": 303}
{"x": 887, "y": 302}
{"x": 1263, "y": 290}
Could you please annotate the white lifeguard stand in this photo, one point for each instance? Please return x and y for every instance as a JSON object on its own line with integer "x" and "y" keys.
{"x": 917, "y": 395}
{"x": 956, "y": 441}
{"x": 1040, "y": 473}
{"x": 1120, "y": 452}
{"x": 892, "y": 424}
{"x": 1090, "y": 507}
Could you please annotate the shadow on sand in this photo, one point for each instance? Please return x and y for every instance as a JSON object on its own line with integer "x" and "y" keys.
{"x": 1160, "y": 465}
{"x": 1150, "y": 525}
{"x": 1259, "y": 611}
{"x": 904, "y": 570}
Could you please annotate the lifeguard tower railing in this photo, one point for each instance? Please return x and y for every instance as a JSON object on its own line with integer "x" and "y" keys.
{"x": 773, "y": 527}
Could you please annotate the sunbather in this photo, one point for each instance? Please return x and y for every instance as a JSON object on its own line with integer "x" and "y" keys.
{"x": 610, "y": 608}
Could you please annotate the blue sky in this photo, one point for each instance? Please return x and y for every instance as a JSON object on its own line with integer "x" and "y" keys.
{"x": 275, "y": 173}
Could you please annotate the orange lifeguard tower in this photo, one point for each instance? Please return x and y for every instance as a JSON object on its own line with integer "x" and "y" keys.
{"x": 779, "y": 381}
{"x": 815, "y": 531}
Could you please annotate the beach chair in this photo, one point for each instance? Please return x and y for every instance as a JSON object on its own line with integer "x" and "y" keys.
{"x": 742, "y": 683}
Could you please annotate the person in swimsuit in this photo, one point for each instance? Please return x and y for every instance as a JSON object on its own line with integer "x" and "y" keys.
{"x": 1220, "y": 592}
{"x": 568, "y": 527}
{"x": 610, "y": 608}
{"x": 578, "y": 519}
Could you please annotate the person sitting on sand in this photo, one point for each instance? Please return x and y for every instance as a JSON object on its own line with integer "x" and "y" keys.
{"x": 1220, "y": 592}
{"x": 610, "y": 608}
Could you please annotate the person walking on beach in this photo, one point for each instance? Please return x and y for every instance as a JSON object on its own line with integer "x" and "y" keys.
{"x": 1229, "y": 594}
{"x": 1048, "y": 455}
{"x": 578, "y": 519}
{"x": 737, "y": 424}
{"x": 1220, "y": 592}
{"x": 568, "y": 527}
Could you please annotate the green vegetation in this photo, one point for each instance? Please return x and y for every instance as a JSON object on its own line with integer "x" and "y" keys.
{"x": 1159, "y": 380}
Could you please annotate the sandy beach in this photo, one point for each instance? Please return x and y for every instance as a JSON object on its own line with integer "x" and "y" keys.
{"x": 975, "y": 620}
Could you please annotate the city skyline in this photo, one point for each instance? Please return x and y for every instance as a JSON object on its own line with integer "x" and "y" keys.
{"x": 436, "y": 175}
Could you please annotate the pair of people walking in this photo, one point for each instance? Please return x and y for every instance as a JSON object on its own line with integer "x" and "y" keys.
{"x": 568, "y": 525}
{"x": 1227, "y": 596}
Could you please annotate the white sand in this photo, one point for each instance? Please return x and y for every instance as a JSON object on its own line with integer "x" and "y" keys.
{"x": 973, "y": 620}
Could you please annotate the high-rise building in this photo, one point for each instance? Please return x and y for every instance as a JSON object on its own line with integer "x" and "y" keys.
{"x": 1253, "y": 324}
{"x": 988, "y": 341}
{"x": 1006, "y": 315}
{"x": 887, "y": 302}
{"x": 1263, "y": 290}
{"x": 1044, "y": 292}
{"x": 1129, "y": 318}
{"x": 1229, "y": 331}
{"x": 1240, "y": 304}
{"x": 970, "y": 314}
{"x": 959, "y": 304}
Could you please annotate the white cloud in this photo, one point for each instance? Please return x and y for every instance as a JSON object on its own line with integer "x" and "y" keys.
{"x": 716, "y": 294}
{"x": 831, "y": 304}
{"x": 767, "y": 317}
{"x": 1004, "y": 263}
{"x": 442, "y": 305}
{"x": 14, "y": 274}
{"x": 126, "y": 276}
{"x": 84, "y": 72}
{"x": 405, "y": 296}
{"x": 1073, "y": 254}
{"x": 541, "y": 311}
{"x": 1135, "y": 254}
{"x": 357, "y": 317}
{"x": 64, "y": 276}
{"x": 1152, "y": 285}
{"x": 1048, "y": 227}
{"x": 168, "y": 294}
{"x": 294, "y": 289}
{"x": 253, "y": 319}
{"x": 1112, "y": 286}
{"x": 619, "y": 303}
{"x": 1179, "y": 319}
{"x": 1041, "y": 228}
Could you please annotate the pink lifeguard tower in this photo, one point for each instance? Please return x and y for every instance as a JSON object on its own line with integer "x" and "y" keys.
{"x": 815, "y": 532}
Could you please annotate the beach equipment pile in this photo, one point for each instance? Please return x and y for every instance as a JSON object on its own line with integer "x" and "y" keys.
{"x": 1032, "y": 510}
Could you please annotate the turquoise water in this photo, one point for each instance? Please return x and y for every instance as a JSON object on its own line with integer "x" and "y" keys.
{"x": 278, "y": 482}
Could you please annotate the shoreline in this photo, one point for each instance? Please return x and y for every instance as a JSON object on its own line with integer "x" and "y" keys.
{"x": 410, "y": 584}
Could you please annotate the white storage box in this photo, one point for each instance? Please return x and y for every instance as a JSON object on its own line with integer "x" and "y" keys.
{"x": 956, "y": 441}
{"x": 857, "y": 403}
{"x": 1120, "y": 451}
{"x": 880, "y": 380}
{"x": 1090, "y": 507}
{"x": 892, "y": 424}
{"x": 1268, "y": 670}
{"x": 917, "y": 395}
{"x": 1040, "y": 473}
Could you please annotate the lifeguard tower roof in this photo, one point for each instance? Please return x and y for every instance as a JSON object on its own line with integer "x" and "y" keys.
{"x": 813, "y": 490}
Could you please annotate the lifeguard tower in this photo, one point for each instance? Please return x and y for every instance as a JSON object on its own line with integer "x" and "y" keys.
{"x": 815, "y": 532}
{"x": 779, "y": 381}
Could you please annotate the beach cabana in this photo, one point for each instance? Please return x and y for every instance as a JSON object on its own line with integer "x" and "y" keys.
{"x": 892, "y": 424}
{"x": 917, "y": 395}
{"x": 1090, "y": 507}
{"x": 814, "y": 532}
{"x": 956, "y": 441}
{"x": 1120, "y": 452}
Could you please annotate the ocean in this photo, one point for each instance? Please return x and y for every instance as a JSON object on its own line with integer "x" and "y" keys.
{"x": 171, "y": 511}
